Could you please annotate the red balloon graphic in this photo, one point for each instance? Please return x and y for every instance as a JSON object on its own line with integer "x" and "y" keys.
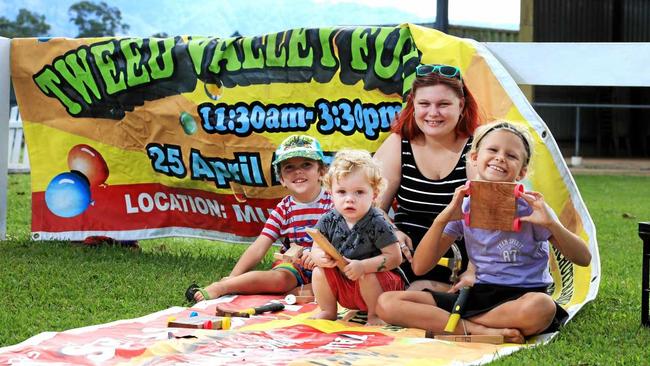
{"x": 88, "y": 162}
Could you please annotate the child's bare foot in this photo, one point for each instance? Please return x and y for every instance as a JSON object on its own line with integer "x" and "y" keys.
{"x": 374, "y": 320}
{"x": 510, "y": 335}
{"x": 327, "y": 315}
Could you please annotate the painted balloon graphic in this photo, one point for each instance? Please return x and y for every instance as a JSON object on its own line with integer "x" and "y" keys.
{"x": 88, "y": 162}
{"x": 68, "y": 194}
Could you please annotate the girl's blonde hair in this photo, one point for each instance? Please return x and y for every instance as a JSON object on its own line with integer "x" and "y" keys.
{"x": 498, "y": 125}
{"x": 348, "y": 161}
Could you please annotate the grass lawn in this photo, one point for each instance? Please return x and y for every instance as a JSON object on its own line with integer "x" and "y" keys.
{"x": 54, "y": 286}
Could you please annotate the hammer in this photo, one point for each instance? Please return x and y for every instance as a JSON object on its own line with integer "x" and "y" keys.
{"x": 457, "y": 310}
{"x": 246, "y": 313}
{"x": 454, "y": 264}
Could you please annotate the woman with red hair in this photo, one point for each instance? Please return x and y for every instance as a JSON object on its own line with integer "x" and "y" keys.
{"x": 423, "y": 160}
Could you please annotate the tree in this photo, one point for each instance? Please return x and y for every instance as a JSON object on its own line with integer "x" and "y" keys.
{"x": 27, "y": 24}
{"x": 96, "y": 20}
{"x": 160, "y": 35}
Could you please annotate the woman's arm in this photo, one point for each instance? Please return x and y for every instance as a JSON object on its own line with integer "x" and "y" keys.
{"x": 390, "y": 158}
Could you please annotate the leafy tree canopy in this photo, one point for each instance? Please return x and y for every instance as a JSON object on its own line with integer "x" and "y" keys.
{"x": 27, "y": 24}
{"x": 96, "y": 19}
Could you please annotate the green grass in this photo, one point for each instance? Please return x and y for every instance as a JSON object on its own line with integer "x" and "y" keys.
{"x": 54, "y": 286}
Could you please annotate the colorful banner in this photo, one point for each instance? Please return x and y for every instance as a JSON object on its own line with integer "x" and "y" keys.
{"x": 285, "y": 338}
{"x": 141, "y": 138}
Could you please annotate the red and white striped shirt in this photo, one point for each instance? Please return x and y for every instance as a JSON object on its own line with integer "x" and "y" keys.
{"x": 290, "y": 218}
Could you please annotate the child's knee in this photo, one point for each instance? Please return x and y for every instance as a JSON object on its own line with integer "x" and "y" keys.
{"x": 540, "y": 305}
{"x": 317, "y": 274}
{"x": 386, "y": 303}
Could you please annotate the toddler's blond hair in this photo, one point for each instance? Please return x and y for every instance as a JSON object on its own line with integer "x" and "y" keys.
{"x": 348, "y": 161}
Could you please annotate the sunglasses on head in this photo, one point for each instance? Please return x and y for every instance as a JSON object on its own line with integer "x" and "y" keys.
{"x": 442, "y": 70}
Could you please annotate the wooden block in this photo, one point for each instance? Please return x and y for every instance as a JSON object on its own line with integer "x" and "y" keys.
{"x": 493, "y": 205}
{"x": 293, "y": 253}
{"x": 474, "y": 338}
{"x": 197, "y": 322}
{"x": 327, "y": 247}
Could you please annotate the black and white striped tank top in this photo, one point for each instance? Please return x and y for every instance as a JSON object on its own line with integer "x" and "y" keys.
{"x": 421, "y": 199}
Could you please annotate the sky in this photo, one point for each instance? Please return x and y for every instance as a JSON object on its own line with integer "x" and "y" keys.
{"x": 255, "y": 17}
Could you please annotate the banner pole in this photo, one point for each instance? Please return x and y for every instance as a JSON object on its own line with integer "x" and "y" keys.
{"x": 4, "y": 132}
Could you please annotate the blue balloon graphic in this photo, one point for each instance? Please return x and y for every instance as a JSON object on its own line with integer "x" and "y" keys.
{"x": 68, "y": 194}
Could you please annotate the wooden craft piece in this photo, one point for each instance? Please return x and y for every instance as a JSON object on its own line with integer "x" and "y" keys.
{"x": 493, "y": 205}
{"x": 474, "y": 338}
{"x": 293, "y": 253}
{"x": 327, "y": 247}
{"x": 197, "y": 322}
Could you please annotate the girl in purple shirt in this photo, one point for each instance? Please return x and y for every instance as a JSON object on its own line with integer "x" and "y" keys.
{"x": 509, "y": 296}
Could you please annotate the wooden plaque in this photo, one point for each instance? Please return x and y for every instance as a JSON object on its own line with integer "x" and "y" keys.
{"x": 474, "y": 338}
{"x": 493, "y": 205}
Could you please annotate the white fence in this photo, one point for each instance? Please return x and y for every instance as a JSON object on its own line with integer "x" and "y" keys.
{"x": 17, "y": 148}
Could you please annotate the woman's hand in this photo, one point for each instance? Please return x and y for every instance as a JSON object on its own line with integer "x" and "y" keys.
{"x": 405, "y": 245}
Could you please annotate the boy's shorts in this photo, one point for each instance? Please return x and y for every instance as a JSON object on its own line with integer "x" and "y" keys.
{"x": 302, "y": 275}
{"x": 348, "y": 292}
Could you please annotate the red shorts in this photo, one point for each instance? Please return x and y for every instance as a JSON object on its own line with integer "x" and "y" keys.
{"x": 348, "y": 293}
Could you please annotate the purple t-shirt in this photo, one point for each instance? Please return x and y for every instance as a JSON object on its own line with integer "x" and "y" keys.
{"x": 507, "y": 258}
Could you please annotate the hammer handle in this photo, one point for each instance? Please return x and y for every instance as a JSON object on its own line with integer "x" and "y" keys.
{"x": 272, "y": 307}
{"x": 457, "y": 310}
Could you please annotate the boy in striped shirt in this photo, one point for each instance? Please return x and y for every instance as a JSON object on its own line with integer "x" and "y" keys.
{"x": 299, "y": 165}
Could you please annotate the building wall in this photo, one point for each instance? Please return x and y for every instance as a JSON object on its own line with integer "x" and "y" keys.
{"x": 604, "y": 131}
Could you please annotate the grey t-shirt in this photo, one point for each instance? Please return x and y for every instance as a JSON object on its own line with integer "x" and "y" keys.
{"x": 366, "y": 238}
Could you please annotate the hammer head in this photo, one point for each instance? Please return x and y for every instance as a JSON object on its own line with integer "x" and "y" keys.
{"x": 454, "y": 263}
